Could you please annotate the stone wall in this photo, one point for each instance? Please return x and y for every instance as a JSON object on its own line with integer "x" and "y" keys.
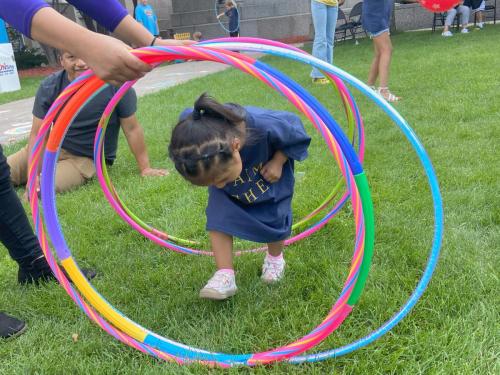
{"x": 288, "y": 20}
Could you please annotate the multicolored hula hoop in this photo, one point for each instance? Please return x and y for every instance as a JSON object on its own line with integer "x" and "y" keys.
{"x": 355, "y": 126}
{"x": 129, "y": 332}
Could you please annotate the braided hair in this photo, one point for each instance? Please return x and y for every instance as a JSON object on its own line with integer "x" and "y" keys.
{"x": 201, "y": 143}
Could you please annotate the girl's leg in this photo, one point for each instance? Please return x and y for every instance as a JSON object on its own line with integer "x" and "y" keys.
{"x": 275, "y": 249}
{"x": 318, "y": 12}
{"x": 222, "y": 246}
{"x": 222, "y": 285}
{"x": 273, "y": 268}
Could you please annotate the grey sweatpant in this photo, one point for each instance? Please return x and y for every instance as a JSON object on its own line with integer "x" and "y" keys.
{"x": 463, "y": 10}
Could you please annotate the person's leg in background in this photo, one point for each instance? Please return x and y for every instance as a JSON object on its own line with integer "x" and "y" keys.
{"x": 450, "y": 16}
{"x": 15, "y": 230}
{"x": 376, "y": 21}
{"x": 11, "y": 206}
{"x": 320, "y": 50}
{"x": 464, "y": 13}
{"x": 18, "y": 237}
{"x": 18, "y": 163}
{"x": 331, "y": 22}
{"x": 383, "y": 48}
{"x": 373, "y": 72}
{"x": 72, "y": 171}
{"x": 479, "y": 15}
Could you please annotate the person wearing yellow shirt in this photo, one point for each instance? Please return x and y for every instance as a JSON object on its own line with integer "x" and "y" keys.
{"x": 324, "y": 14}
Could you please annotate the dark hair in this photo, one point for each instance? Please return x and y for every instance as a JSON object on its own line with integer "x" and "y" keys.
{"x": 203, "y": 139}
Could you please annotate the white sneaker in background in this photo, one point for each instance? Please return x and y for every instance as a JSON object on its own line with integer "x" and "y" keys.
{"x": 446, "y": 33}
{"x": 465, "y": 30}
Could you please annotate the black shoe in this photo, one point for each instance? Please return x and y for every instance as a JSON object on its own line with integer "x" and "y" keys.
{"x": 40, "y": 271}
{"x": 10, "y": 326}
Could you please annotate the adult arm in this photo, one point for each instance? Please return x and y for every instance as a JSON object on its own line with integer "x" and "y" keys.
{"x": 116, "y": 65}
{"x": 108, "y": 57}
{"x": 135, "y": 139}
{"x": 19, "y": 13}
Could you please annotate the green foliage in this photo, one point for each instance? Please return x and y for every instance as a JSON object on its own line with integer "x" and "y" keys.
{"x": 450, "y": 97}
{"x": 29, "y": 58}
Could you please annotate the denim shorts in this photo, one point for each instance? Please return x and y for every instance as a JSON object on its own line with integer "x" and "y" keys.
{"x": 376, "y": 16}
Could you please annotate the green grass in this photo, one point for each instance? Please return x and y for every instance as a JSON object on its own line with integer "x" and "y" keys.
{"x": 29, "y": 85}
{"x": 451, "y": 98}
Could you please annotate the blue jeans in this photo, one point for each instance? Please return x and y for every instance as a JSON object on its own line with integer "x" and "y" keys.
{"x": 324, "y": 21}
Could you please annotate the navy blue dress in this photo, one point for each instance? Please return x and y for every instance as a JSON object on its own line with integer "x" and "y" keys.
{"x": 251, "y": 208}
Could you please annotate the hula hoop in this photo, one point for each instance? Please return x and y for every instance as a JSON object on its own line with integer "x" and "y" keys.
{"x": 220, "y": 23}
{"x": 254, "y": 45}
{"x": 123, "y": 328}
{"x": 354, "y": 121}
{"x": 361, "y": 207}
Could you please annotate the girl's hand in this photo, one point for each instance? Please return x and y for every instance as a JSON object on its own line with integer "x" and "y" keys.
{"x": 272, "y": 170}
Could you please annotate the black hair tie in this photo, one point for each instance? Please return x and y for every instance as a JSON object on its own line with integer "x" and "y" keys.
{"x": 196, "y": 114}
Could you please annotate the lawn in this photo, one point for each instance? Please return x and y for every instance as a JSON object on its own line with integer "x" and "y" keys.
{"x": 29, "y": 85}
{"x": 450, "y": 98}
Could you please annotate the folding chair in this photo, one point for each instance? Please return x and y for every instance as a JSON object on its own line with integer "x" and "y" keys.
{"x": 342, "y": 26}
{"x": 182, "y": 36}
{"x": 441, "y": 17}
{"x": 355, "y": 23}
{"x": 491, "y": 7}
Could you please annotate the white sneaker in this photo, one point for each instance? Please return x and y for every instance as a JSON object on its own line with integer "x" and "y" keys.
{"x": 222, "y": 285}
{"x": 465, "y": 30}
{"x": 272, "y": 270}
{"x": 446, "y": 33}
{"x": 480, "y": 25}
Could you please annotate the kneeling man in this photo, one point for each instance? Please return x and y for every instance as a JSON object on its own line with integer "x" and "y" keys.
{"x": 75, "y": 165}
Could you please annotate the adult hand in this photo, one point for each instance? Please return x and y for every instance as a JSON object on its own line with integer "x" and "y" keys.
{"x": 153, "y": 172}
{"x": 111, "y": 60}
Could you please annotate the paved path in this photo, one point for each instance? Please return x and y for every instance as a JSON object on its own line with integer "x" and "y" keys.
{"x": 15, "y": 117}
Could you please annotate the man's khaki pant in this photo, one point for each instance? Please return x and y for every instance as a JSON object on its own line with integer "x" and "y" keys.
{"x": 71, "y": 170}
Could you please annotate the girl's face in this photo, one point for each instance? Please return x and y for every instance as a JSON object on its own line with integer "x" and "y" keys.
{"x": 227, "y": 173}
{"x": 231, "y": 172}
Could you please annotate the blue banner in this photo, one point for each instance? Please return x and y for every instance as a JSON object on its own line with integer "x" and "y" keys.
{"x": 3, "y": 33}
